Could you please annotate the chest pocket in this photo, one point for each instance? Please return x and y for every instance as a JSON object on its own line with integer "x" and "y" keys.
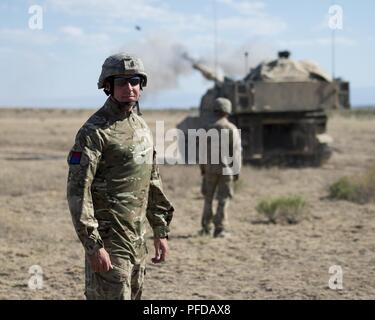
{"x": 119, "y": 153}
{"x": 131, "y": 143}
{"x": 143, "y": 151}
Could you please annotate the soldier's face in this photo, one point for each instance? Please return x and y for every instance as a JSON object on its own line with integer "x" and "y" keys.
{"x": 127, "y": 89}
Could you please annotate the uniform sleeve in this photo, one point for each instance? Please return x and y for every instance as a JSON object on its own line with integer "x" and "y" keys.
{"x": 83, "y": 161}
{"x": 159, "y": 209}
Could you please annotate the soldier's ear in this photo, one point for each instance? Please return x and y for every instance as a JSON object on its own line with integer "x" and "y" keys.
{"x": 107, "y": 88}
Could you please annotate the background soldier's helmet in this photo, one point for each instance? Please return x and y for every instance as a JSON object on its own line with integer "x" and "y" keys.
{"x": 122, "y": 64}
{"x": 222, "y": 105}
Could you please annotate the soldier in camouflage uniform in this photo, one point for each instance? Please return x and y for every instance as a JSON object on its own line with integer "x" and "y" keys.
{"x": 218, "y": 177}
{"x": 114, "y": 186}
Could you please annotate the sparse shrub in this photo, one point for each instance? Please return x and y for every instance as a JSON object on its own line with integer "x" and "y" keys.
{"x": 359, "y": 189}
{"x": 283, "y": 210}
{"x": 368, "y": 185}
{"x": 345, "y": 189}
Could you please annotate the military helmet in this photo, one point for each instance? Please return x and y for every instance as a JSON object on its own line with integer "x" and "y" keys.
{"x": 222, "y": 105}
{"x": 122, "y": 64}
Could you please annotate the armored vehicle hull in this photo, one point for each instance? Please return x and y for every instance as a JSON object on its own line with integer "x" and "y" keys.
{"x": 281, "y": 109}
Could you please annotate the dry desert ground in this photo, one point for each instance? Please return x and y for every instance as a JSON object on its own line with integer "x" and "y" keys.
{"x": 258, "y": 261}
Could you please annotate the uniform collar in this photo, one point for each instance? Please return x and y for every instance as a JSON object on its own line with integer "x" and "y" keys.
{"x": 116, "y": 110}
{"x": 220, "y": 119}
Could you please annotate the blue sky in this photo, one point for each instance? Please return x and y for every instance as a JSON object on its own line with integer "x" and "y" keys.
{"x": 59, "y": 65}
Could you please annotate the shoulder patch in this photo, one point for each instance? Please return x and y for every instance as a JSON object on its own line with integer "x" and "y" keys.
{"x": 74, "y": 157}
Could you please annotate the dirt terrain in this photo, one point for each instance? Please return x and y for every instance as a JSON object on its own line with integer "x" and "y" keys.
{"x": 259, "y": 260}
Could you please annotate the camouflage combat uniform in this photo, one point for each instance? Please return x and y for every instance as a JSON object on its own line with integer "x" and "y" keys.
{"x": 218, "y": 178}
{"x": 113, "y": 187}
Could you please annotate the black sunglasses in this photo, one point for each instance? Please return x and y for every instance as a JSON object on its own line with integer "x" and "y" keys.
{"x": 122, "y": 81}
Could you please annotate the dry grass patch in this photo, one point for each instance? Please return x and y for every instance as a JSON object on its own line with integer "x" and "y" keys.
{"x": 358, "y": 189}
{"x": 283, "y": 210}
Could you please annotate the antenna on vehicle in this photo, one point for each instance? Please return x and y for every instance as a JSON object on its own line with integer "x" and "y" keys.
{"x": 215, "y": 38}
{"x": 333, "y": 53}
{"x": 246, "y": 54}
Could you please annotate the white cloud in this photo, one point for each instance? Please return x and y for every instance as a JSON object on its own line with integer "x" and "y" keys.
{"x": 78, "y": 36}
{"x": 117, "y": 29}
{"x": 322, "y": 25}
{"x": 344, "y": 41}
{"x": 246, "y": 7}
{"x": 249, "y": 16}
{"x": 100, "y": 41}
{"x": 166, "y": 32}
{"x": 125, "y": 9}
{"x": 252, "y": 26}
{"x": 27, "y": 36}
{"x": 72, "y": 31}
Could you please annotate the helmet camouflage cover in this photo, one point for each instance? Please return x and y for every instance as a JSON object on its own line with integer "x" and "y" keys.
{"x": 222, "y": 105}
{"x": 122, "y": 64}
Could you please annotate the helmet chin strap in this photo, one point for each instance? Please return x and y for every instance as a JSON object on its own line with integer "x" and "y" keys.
{"x": 138, "y": 109}
{"x": 127, "y": 106}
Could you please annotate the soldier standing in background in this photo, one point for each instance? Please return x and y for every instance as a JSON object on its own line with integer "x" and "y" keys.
{"x": 114, "y": 186}
{"x": 218, "y": 177}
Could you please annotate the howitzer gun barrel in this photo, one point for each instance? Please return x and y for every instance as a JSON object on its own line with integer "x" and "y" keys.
{"x": 207, "y": 73}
